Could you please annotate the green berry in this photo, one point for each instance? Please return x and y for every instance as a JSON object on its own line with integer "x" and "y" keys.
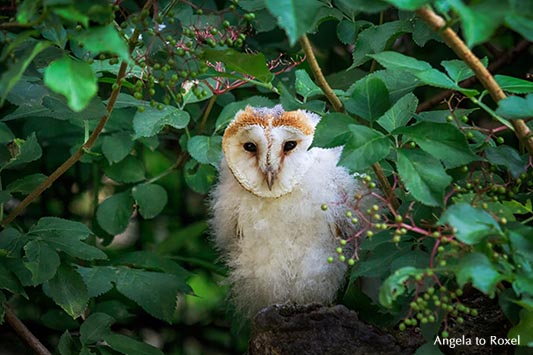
{"x": 351, "y": 262}
{"x": 402, "y": 327}
{"x": 330, "y": 259}
{"x": 342, "y": 258}
{"x": 355, "y": 220}
{"x": 338, "y": 250}
{"x": 449, "y": 118}
{"x": 445, "y": 334}
{"x": 348, "y": 214}
{"x": 500, "y": 140}
{"x": 343, "y": 241}
{"x": 324, "y": 207}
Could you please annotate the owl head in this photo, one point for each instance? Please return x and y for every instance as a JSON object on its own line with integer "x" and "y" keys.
{"x": 266, "y": 149}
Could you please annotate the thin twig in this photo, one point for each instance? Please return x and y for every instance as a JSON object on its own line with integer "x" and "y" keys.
{"x": 317, "y": 72}
{"x": 453, "y": 41}
{"x": 337, "y": 106}
{"x": 207, "y": 111}
{"x": 495, "y": 65}
{"x": 23, "y": 332}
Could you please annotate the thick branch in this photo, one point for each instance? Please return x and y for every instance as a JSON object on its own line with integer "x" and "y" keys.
{"x": 494, "y": 66}
{"x": 453, "y": 41}
{"x": 337, "y": 106}
{"x": 23, "y": 332}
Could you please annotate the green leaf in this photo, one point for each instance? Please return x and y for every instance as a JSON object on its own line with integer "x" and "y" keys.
{"x": 74, "y": 79}
{"x": 26, "y": 11}
{"x": 199, "y": 177}
{"x": 305, "y": 86}
{"x": 66, "y": 345}
{"x": 516, "y": 107}
{"x": 472, "y": 224}
{"x": 151, "y": 199}
{"x": 155, "y": 292}
{"x": 477, "y": 268}
{"x": 521, "y": 24}
{"x": 68, "y": 290}
{"x": 104, "y": 39}
{"x": 67, "y": 236}
{"x": 375, "y": 39}
{"x": 23, "y": 151}
{"x": 13, "y": 74}
{"x": 114, "y": 213}
{"x": 151, "y": 121}
{"x": 254, "y": 65}
{"x": 514, "y": 85}
{"x": 423, "y": 176}
{"x": 524, "y": 329}
{"x": 442, "y": 140}
{"x": 99, "y": 279}
{"x": 95, "y": 328}
{"x": 507, "y": 157}
{"x": 130, "y": 346}
{"x": 365, "y": 147}
{"x": 296, "y": 17}
{"x": 438, "y": 79}
{"x": 6, "y": 135}
{"x": 8, "y": 281}
{"x": 43, "y": 261}
{"x": 347, "y": 30}
{"x": 332, "y": 130}
{"x": 155, "y": 262}
{"x": 71, "y": 14}
{"x": 398, "y": 61}
{"x": 457, "y": 69}
{"x": 479, "y": 20}
{"x": 206, "y": 149}
{"x": 26, "y": 184}
{"x": 400, "y": 113}
{"x": 410, "y": 5}
{"x": 117, "y": 146}
{"x": 369, "y": 100}
{"x": 128, "y": 170}
{"x": 394, "y": 285}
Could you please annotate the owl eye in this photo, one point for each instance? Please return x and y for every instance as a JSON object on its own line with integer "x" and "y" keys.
{"x": 250, "y": 147}
{"x": 290, "y": 145}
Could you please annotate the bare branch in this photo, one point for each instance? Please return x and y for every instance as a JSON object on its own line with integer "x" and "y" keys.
{"x": 23, "y": 332}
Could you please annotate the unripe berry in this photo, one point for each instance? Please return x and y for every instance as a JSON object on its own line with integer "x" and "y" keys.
{"x": 351, "y": 262}
{"x": 330, "y": 259}
{"x": 342, "y": 258}
{"x": 338, "y": 250}
{"x": 324, "y": 207}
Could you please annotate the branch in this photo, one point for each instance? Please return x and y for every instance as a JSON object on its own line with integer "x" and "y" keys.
{"x": 25, "y": 333}
{"x": 453, "y": 41}
{"x": 337, "y": 106}
{"x": 494, "y": 66}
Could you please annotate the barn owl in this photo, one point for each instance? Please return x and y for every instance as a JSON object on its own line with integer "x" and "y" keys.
{"x": 267, "y": 218}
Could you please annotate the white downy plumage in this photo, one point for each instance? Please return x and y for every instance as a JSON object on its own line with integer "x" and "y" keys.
{"x": 266, "y": 210}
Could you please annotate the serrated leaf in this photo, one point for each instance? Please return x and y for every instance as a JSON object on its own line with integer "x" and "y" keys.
{"x": 410, "y": 5}
{"x": 516, "y": 107}
{"x": 438, "y": 79}
{"x": 364, "y": 147}
{"x": 442, "y": 140}
{"x": 521, "y": 24}
{"x": 254, "y": 65}
{"x": 423, "y": 176}
{"x": 74, "y": 79}
{"x": 23, "y": 151}
{"x": 472, "y": 224}
{"x": 457, "y": 69}
{"x": 151, "y": 121}
{"x": 67, "y": 236}
{"x": 155, "y": 292}
{"x": 150, "y": 198}
{"x": 394, "y": 286}
{"x": 398, "y": 61}
{"x": 104, "y": 39}
{"x": 66, "y": 345}
{"x": 42, "y": 261}
{"x": 11, "y": 76}
{"x": 375, "y": 39}
{"x": 26, "y": 184}
{"x": 155, "y": 262}
{"x": 114, "y": 213}
{"x": 229, "y": 111}
{"x": 296, "y": 17}
{"x": 117, "y": 146}
{"x": 130, "y": 346}
{"x": 68, "y": 290}
{"x": 95, "y": 328}
{"x": 8, "y": 281}
{"x": 332, "y": 130}
{"x": 507, "y": 157}
{"x": 400, "y": 113}
{"x": 304, "y": 85}
{"x": 206, "y": 149}
{"x": 514, "y": 85}
{"x": 99, "y": 279}
{"x": 369, "y": 100}
{"x": 477, "y": 268}
{"x": 128, "y": 170}
{"x": 199, "y": 177}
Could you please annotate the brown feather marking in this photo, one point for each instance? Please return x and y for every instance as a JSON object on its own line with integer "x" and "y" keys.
{"x": 246, "y": 118}
{"x": 296, "y": 119}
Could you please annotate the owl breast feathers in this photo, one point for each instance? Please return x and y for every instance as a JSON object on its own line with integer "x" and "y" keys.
{"x": 267, "y": 219}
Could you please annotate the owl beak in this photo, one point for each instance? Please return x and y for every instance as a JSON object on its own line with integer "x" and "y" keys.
{"x": 270, "y": 175}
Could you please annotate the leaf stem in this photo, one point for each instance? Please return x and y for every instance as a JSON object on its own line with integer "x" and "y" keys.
{"x": 337, "y": 106}
{"x": 453, "y": 41}
{"x": 25, "y": 333}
